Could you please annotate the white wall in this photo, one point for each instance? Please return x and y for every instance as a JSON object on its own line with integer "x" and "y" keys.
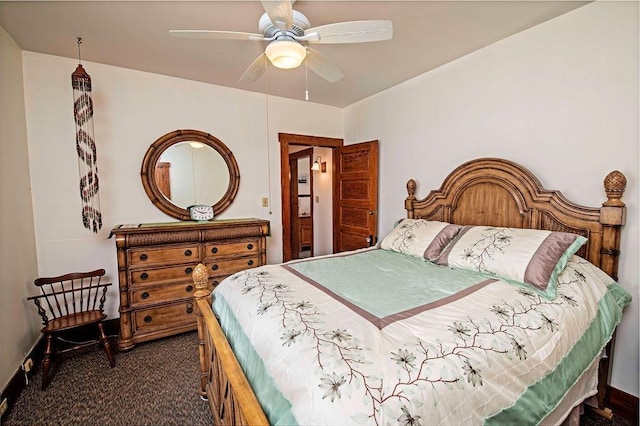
{"x": 323, "y": 208}
{"x": 18, "y": 317}
{"x": 560, "y": 99}
{"x": 133, "y": 109}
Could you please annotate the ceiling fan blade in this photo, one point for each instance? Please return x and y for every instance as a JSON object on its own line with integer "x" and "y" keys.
{"x": 351, "y": 32}
{"x": 280, "y": 13}
{"x": 218, "y": 35}
{"x": 255, "y": 70}
{"x": 322, "y": 66}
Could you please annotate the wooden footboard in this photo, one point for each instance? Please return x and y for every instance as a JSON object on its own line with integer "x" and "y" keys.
{"x": 222, "y": 381}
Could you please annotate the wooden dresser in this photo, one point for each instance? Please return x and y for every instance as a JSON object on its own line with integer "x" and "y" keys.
{"x": 306, "y": 232}
{"x": 155, "y": 262}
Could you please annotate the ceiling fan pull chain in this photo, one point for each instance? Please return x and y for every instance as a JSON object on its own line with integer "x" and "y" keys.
{"x": 306, "y": 81}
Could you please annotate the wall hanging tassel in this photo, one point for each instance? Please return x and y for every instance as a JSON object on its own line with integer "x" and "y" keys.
{"x": 86, "y": 147}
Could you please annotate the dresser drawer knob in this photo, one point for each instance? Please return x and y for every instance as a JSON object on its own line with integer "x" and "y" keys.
{"x": 189, "y": 288}
{"x": 214, "y": 267}
{"x": 214, "y": 250}
{"x": 189, "y": 308}
{"x": 250, "y": 262}
{"x": 188, "y": 270}
{"x": 143, "y": 256}
{"x": 249, "y": 246}
{"x": 144, "y": 275}
{"x": 148, "y": 319}
{"x": 188, "y": 253}
{"x": 215, "y": 282}
{"x": 145, "y": 295}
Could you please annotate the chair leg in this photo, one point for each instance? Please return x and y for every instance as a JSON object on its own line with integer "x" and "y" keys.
{"x": 106, "y": 345}
{"x": 47, "y": 361}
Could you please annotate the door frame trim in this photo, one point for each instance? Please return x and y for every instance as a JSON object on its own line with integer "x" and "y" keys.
{"x": 285, "y": 140}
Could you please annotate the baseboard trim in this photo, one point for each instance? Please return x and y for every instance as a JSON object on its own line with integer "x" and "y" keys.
{"x": 17, "y": 382}
{"x": 622, "y": 404}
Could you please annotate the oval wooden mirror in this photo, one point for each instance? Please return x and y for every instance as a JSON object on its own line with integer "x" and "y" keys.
{"x": 188, "y": 167}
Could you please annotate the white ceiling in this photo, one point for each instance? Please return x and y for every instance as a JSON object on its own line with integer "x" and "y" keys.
{"x": 134, "y": 34}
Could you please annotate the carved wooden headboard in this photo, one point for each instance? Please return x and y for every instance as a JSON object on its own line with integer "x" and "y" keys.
{"x": 497, "y": 192}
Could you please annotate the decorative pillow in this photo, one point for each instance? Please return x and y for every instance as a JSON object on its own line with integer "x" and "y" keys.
{"x": 530, "y": 256}
{"x": 419, "y": 237}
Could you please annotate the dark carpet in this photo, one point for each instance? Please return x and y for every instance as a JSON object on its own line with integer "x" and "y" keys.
{"x": 153, "y": 384}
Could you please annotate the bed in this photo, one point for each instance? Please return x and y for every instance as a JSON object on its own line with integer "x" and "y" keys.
{"x": 497, "y": 333}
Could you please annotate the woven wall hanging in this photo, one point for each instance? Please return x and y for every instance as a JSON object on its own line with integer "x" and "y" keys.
{"x": 86, "y": 147}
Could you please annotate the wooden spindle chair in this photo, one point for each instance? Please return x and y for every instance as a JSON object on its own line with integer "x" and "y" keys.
{"x": 70, "y": 302}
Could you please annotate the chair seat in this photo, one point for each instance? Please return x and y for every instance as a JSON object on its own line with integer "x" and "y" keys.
{"x": 74, "y": 320}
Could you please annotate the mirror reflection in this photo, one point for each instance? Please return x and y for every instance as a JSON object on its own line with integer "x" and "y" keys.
{"x": 190, "y": 173}
{"x": 187, "y": 167}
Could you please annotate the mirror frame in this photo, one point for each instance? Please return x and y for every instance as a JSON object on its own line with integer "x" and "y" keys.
{"x": 153, "y": 154}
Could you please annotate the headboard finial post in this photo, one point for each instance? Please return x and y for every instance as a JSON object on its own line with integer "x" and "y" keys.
{"x": 408, "y": 203}
{"x": 614, "y": 185}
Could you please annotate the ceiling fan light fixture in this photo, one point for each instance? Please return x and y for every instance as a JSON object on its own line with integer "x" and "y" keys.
{"x": 286, "y": 54}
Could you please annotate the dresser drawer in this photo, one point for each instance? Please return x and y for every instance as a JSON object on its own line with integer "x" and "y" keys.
{"x": 165, "y": 293}
{"x": 165, "y": 316}
{"x": 240, "y": 248}
{"x": 140, "y": 257}
{"x": 155, "y": 267}
{"x": 231, "y": 266}
{"x": 151, "y": 276}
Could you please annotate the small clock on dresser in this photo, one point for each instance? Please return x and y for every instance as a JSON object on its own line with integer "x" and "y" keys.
{"x": 200, "y": 212}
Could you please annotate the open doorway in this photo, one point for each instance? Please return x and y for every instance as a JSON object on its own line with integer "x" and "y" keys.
{"x": 295, "y": 226}
{"x": 353, "y": 211}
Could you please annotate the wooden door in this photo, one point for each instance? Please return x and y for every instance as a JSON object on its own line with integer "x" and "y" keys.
{"x": 162, "y": 178}
{"x": 355, "y": 206}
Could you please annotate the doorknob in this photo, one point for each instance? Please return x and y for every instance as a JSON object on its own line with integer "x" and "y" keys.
{"x": 371, "y": 240}
{"x": 372, "y": 212}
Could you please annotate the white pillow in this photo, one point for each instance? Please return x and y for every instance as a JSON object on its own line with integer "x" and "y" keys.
{"x": 420, "y": 238}
{"x": 531, "y": 257}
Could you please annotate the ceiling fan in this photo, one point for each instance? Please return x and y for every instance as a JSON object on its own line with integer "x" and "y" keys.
{"x": 288, "y": 33}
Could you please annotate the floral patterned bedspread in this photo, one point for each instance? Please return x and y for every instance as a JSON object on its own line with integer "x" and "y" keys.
{"x": 482, "y": 351}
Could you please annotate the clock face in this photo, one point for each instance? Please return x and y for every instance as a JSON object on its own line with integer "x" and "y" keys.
{"x": 201, "y": 212}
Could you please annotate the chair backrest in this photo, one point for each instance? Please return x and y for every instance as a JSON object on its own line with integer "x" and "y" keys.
{"x": 70, "y": 294}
